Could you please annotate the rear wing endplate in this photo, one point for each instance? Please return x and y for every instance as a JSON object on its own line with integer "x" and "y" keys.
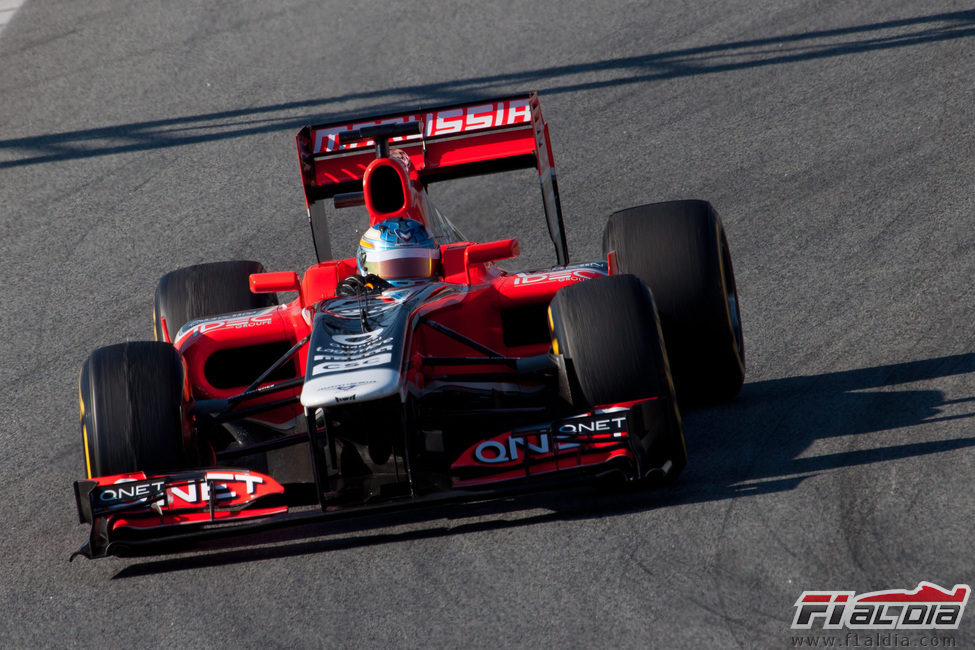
{"x": 455, "y": 141}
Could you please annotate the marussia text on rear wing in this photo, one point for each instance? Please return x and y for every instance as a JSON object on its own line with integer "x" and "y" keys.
{"x": 454, "y": 141}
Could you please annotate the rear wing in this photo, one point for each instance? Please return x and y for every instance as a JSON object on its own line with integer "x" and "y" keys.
{"x": 455, "y": 141}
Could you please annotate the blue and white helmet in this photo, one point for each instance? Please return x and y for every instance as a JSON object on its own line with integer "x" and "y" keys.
{"x": 398, "y": 249}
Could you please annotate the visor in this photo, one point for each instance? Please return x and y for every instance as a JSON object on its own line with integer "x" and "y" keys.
{"x": 403, "y": 263}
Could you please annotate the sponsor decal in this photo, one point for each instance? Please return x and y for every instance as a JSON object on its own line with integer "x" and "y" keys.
{"x": 435, "y": 124}
{"x": 329, "y": 364}
{"x": 591, "y": 265}
{"x": 222, "y": 486}
{"x": 347, "y": 387}
{"x": 511, "y": 446}
{"x": 336, "y": 351}
{"x": 928, "y": 607}
{"x": 127, "y": 490}
{"x": 235, "y": 323}
{"x": 351, "y": 351}
{"x": 350, "y": 307}
{"x": 357, "y": 340}
{"x": 259, "y": 319}
{"x": 605, "y": 424}
{"x": 573, "y": 275}
{"x": 491, "y": 452}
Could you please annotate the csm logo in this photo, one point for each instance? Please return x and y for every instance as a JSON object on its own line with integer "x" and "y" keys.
{"x": 236, "y": 323}
{"x": 574, "y": 275}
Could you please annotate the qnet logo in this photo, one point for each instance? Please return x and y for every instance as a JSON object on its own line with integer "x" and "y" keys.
{"x": 929, "y": 607}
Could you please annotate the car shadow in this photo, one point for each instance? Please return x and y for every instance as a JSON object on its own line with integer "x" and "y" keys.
{"x": 762, "y": 441}
{"x": 757, "y": 444}
{"x": 551, "y": 80}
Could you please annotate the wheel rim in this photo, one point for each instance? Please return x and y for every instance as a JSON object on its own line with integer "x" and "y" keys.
{"x": 731, "y": 297}
{"x": 735, "y": 317}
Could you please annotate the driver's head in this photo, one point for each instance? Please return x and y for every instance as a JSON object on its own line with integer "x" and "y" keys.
{"x": 398, "y": 249}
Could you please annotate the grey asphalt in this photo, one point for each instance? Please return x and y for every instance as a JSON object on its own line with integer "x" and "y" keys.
{"x": 837, "y": 140}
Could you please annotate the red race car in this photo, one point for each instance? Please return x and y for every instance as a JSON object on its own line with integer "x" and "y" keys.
{"x": 418, "y": 371}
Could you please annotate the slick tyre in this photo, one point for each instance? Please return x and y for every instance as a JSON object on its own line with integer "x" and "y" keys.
{"x": 680, "y": 250}
{"x": 608, "y": 335}
{"x": 205, "y": 290}
{"x": 131, "y": 410}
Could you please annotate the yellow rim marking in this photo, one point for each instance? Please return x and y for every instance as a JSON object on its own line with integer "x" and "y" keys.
{"x": 551, "y": 328}
{"x": 84, "y": 429}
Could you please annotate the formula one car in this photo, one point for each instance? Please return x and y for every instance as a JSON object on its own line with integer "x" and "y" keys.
{"x": 418, "y": 371}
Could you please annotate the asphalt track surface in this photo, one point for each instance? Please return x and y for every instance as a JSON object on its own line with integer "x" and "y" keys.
{"x": 837, "y": 140}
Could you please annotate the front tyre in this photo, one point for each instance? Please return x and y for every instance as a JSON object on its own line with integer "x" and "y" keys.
{"x": 132, "y": 419}
{"x": 608, "y": 335}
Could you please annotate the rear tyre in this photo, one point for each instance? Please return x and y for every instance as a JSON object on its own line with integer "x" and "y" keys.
{"x": 205, "y": 290}
{"x": 131, "y": 410}
{"x": 679, "y": 249}
{"x": 608, "y": 334}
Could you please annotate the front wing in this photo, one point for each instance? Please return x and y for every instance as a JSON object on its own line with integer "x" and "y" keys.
{"x": 136, "y": 513}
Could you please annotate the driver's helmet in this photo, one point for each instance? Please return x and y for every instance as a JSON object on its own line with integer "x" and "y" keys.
{"x": 398, "y": 249}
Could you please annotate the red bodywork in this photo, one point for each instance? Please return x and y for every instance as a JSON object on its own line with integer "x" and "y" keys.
{"x": 453, "y": 141}
{"x": 476, "y": 314}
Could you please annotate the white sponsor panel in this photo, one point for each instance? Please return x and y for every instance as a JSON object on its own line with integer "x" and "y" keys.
{"x": 326, "y": 364}
{"x": 357, "y": 385}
